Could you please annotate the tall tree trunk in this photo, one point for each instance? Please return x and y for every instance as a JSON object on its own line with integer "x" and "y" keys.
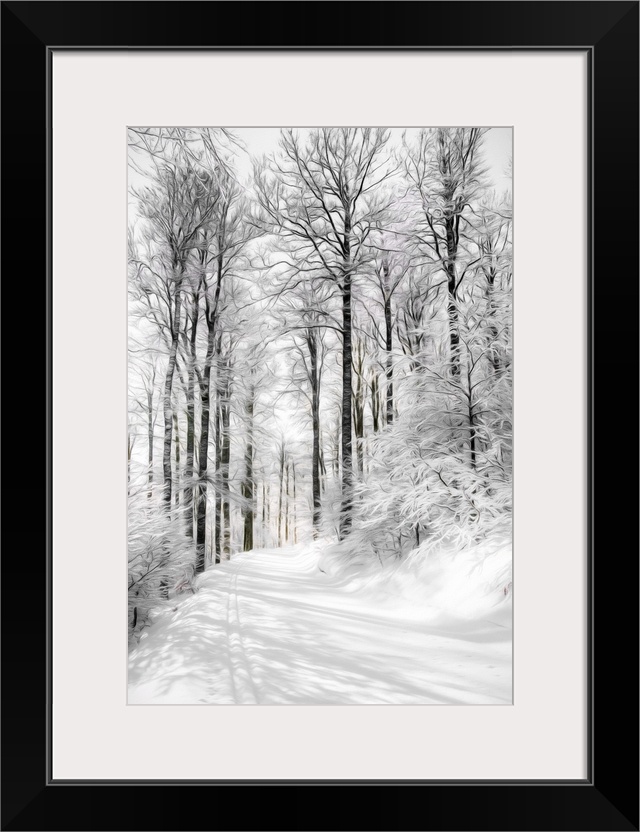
{"x": 176, "y": 438}
{"x": 347, "y": 448}
{"x": 389, "y": 348}
{"x": 358, "y": 407}
{"x": 315, "y": 420}
{"x": 452, "y": 306}
{"x": 247, "y": 486}
{"x": 189, "y": 462}
{"x": 150, "y": 440}
{"x": 492, "y": 313}
{"x": 166, "y": 402}
{"x": 203, "y": 450}
{"x": 323, "y": 470}
{"x": 455, "y": 203}
{"x": 286, "y": 506}
{"x": 472, "y": 422}
{"x": 336, "y": 450}
{"x": 472, "y": 437}
{"x": 129, "y": 452}
{"x": 295, "y": 519}
{"x": 218, "y": 489}
{"x": 280, "y": 496}
{"x": 358, "y": 425}
{"x": 225, "y": 458}
{"x": 211, "y": 312}
{"x": 375, "y": 401}
{"x": 268, "y": 526}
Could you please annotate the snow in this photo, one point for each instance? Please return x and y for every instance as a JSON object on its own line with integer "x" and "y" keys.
{"x": 269, "y": 627}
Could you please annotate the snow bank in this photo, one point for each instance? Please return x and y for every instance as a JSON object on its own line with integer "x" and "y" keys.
{"x": 472, "y": 584}
{"x": 269, "y": 627}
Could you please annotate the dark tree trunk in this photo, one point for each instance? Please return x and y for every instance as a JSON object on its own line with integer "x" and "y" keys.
{"x": 315, "y": 468}
{"x": 347, "y": 447}
{"x": 358, "y": 405}
{"x": 455, "y": 168}
{"x": 150, "y": 440}
{"x": 205, "y": 415}
{"x": 189, "y": 462}
{"x": 225, "y": 457}
{"x": 375, "y": 402}
{"x": 358, "y": 425}
{"x": 218, "y": 488}
{"x": 454, "y": 337}
{"x": 203, "y": 450}
{"x": 129, "y": 451}
{"x": 247, "y": 486}
{"x": 472, "y": 437}
{"x": 295, "y": 519}
{"x": 176, "y": 440}
{"x": 268, "y": 526}
{"x": 168, "y": 427}
{"x": 166, "y": 402}
{"x": 389, "y": 348}
{"x": 211, "y": 312}
{"x": 452, "y": 307}
{"x": 323, "y": 470}
{"x": 315, "y": 419}
{"x": 492, "y": 314}
{"x": 286, "y": 505}
{"x": 280, "y": 496}
{"x": 472, "y": 423}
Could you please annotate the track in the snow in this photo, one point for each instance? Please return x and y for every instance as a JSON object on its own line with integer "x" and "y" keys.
{"x": 269, "y": 628}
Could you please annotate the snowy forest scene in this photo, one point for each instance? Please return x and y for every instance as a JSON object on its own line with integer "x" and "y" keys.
{"x": 319, "y": 447}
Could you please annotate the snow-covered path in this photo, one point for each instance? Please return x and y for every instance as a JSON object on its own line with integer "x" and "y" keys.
{"x": 269, "y": 627}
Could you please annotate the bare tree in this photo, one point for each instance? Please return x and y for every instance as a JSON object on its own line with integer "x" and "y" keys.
{"x": 146, "y": 372}
{"x": 248, "y": 483}
{"x": 221, "y": 248}
{"x": 494, "y": 246}
{"x": 282, "y": 456}
{"x": 306, "y": 320}
{"x": 446, "y": 172}
{"x": 323, "y": 195}
{"x": 387, "y": 272}
{"x": 191, "y": 348}
{"x": 222, "y": 543}
{"x": 181, "y": 201}
{"x": 358, "y": 359}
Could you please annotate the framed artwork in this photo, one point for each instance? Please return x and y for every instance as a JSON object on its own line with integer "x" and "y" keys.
{"x": 350, "y": 295}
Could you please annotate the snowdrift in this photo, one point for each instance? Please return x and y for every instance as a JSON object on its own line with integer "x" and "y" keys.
{"x": 305, "y": 625}
{"x": 475, "y": 583}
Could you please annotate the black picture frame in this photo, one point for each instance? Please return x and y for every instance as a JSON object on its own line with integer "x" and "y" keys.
{"x": 608, "y": 798}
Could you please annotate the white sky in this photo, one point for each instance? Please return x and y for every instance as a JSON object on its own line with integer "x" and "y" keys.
{"x": 497, "y": 149}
